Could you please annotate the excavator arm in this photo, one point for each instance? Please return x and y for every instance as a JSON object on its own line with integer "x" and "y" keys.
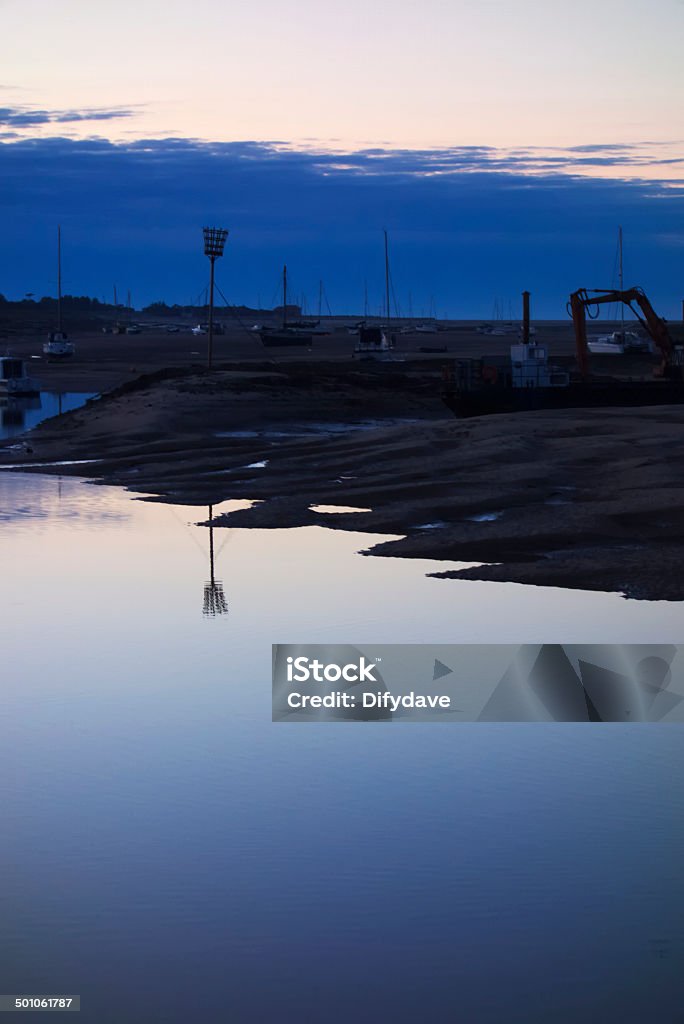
{"x": 647, "y": 316}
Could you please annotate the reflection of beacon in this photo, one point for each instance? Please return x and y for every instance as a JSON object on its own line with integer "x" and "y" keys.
{"x": 214, "y": 599}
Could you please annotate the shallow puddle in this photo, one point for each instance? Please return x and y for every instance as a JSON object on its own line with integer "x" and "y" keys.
{"x": 333, "y": 509}
{"x": 484, "y": 517}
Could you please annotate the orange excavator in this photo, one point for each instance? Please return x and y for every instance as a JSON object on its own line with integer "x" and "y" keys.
{"x": 583, "y": 300}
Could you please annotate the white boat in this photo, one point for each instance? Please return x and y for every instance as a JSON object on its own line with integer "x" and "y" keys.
{"x": 58, "y": 345}
{"x": 620, "y": 341}
{"x": 605, "y": 345}
{"x": 633, "y": 342}
{"x": 505, "y": 329}
{"x": 428, "y": 328}
{"x": 501, "y": 329}
{"x": 14, "y": 381}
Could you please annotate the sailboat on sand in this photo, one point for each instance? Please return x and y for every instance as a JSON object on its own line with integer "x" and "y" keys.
{"x": 289, "y": 333}
{"x": 618, "y": 342}
{"x": 375, "y": 342}
{"x": 58, "y": 345}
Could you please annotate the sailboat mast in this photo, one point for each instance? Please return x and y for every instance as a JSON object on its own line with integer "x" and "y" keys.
{"x": 284, "y": 296}
{"x": 59, "y": 277}
{"x": 622, "y": 305}
{"x": 387, "y": 278}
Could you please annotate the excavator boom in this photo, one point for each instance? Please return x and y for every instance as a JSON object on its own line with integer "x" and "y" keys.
{"x": 647, "y": 316}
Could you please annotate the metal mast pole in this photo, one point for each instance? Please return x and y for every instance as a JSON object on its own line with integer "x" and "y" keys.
{"x": 387, "y": 279}
{"x": 622, "y": 305}
{"x": 59, "y": 277}
{"x": 210, "y": 343}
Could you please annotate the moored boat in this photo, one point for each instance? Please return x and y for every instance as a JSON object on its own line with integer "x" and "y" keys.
{"x": 605, "y": 345}
{"x": 278, "y": 337}
{"x": 58, "y": 345}
{"x": 618, "y": 343}
{"x": 288, "y": 334}
{"x": 374, "y": 343}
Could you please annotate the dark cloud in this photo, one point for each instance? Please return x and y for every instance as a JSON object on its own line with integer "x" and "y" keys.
{"x": 467, "y": 225}
{"x": 25, "y": 117}
{"x": 603, "y": 147}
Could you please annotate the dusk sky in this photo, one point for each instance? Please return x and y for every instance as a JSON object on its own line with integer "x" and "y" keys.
{"x": 500, "y": 144}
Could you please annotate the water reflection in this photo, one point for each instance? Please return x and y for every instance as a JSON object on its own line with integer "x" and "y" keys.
{"x": 13, "y": 412}
{"x": 214, "y": 599}
{"x": 36, "y": 505}
{"x": 156, "y": 824}
{"x": 20, "y": 414}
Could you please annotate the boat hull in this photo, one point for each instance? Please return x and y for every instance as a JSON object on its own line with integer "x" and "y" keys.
{"x": 58, "y": 346}
{"x": 58, "y": 353}
{"x": 578, "y": 395}
{"x": 285, "y": 339}
{"x": 605, "y": 348}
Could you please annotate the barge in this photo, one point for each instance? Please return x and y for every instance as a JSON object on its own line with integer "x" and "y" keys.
{"x": 527, "y": 380}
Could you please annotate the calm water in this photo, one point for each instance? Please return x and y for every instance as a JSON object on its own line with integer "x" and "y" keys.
{"x": 171, "y": 855}
{"x": 20, "y": 414}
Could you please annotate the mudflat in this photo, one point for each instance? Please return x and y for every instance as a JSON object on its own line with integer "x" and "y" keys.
{"x": 590, "y": 499}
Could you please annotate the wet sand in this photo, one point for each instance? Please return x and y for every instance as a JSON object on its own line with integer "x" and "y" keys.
{"x": 105, "y": 361}
{"x": 572, "y": 498}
